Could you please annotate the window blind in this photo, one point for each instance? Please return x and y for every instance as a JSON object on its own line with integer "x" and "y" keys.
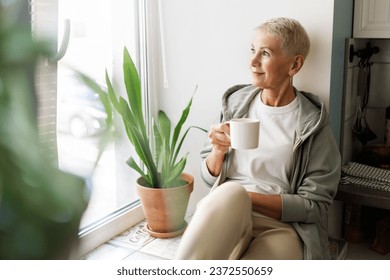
{"x": 44, "y": 23}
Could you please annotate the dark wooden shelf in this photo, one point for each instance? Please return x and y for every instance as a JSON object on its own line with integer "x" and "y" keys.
{"x": 363, "y": 196}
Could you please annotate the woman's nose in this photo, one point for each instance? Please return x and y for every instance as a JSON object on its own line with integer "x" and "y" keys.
{"x": 255, "y": 61}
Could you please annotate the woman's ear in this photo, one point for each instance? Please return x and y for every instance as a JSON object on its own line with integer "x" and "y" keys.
{"x": 296, "y": 65}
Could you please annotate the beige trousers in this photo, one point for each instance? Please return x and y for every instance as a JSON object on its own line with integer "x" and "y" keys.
{"x": 223, "y": 227}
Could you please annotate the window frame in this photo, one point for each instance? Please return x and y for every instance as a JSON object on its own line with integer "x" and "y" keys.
{"x": 118, "y": 221}
{"x": 106, "y": 228}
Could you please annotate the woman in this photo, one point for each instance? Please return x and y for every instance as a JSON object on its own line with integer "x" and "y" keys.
{"x": 271, "y": 202}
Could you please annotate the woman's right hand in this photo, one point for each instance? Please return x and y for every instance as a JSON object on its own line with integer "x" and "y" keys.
{"x": 219, "y": 138}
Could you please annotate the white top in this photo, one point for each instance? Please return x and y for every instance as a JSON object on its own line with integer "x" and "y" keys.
{"x": 267, "y": 169}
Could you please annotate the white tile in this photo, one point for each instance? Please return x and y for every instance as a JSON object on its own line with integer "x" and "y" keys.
{"x": 108, "y": 252}
{"x": 143, "y": 256}
{"x": 134, "y": 238}
{"x": 164, "y": 248}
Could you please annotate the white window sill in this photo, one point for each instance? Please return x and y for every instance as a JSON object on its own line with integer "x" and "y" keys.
{"x": 104, "y": 231}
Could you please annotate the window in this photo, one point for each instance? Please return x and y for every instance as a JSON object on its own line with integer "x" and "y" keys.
{"x": 71, "y": 116}
{"x": 99, "y": 31}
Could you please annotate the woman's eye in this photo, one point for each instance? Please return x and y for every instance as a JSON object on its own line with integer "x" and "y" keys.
{"x": 265, "y": 53}
{"x": 253, "y": 50}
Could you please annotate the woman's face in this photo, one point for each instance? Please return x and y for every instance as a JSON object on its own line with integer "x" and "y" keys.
{"x": 269, "y": 64}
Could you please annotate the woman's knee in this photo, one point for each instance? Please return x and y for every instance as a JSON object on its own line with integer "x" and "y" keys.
{"x": 228, "y": 195}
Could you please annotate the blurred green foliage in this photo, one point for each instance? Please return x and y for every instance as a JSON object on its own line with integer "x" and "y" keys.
{"x": 40, "y": 206}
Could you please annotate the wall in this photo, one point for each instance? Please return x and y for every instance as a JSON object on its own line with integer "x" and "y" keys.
{"x": 207, "y": 44}
{"x": 342, "y": 28}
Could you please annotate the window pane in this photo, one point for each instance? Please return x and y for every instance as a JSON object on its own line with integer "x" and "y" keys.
{"x": 99, "y": 31}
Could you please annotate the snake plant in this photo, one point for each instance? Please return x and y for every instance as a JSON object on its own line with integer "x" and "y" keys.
{"x": 158, "y": 152}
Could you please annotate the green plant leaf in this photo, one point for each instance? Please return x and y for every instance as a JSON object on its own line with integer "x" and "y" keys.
{"x": 132, "y": 82}
{"x": 179, "y": 126}
{"x": 133, "y": 89}
{"x": 157, "y": 143}
{"x": 107, "y": 134}
{"x": 142, "y": 148}
{"x": 139, "y": 140}
{"x": 103, "y": 95}
{"x": 111, "y": 93}
{"x": 159, "y": 153}
{"x": 165, "y": 128}
{"x": 177, "y": 150}
{"x": 133, "y": 164}
{"x": 165, "y": 167}
{"x": 175, "y": 172}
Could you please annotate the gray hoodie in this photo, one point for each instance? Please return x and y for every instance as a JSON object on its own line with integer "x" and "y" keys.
{"x": 315, "y": 173}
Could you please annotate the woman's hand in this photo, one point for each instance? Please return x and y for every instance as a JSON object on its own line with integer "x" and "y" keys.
{"x": 219, "y": 138}
{"x": 267, "y": 204}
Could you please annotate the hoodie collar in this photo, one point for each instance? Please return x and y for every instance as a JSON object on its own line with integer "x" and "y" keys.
{"x": 312, "y": 114}
{"x": 236, "y": 101}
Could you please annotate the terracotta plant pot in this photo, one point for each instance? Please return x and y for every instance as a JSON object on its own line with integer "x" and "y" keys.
{"x": 165, "y": 209}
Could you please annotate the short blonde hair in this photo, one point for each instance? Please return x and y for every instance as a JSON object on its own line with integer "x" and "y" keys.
{"x": 293, "y": 36}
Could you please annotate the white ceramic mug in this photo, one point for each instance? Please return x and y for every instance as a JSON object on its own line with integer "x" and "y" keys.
{"x": 244, "y": 133}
